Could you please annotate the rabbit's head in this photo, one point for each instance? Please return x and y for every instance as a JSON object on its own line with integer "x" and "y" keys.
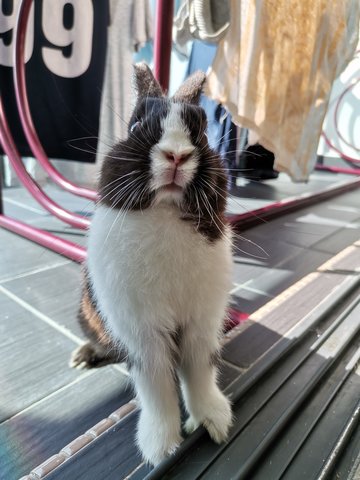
{"x": 166, "y": 157}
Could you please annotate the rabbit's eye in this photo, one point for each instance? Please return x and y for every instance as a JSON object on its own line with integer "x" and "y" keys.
{"x": 134, "y": 125}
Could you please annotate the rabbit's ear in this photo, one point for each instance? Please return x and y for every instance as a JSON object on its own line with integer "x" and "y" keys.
{"x": 190, "y": 90}
{"x": 146, "y": 84}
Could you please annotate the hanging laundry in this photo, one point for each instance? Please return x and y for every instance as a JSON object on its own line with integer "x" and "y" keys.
{"x": 65, "y": 60}
{"x": 221, "y": 132}
{"x": 274, "y": 70}
{"x": 204, "y": 20}
{"x": 130, "y": 28}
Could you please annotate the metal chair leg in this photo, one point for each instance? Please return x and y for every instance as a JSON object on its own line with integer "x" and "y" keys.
{"x": 24, "y": 109}
{"x": 29, "y": 183}
{"x": 71, "y": 250}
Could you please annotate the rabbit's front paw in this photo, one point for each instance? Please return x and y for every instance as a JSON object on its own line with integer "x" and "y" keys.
{"x": 215, "y": 415}
{"x": 157, "y": 439}
{"x": 191, "y": 425}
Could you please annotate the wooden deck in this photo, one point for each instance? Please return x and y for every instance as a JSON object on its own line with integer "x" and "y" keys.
{"x": 45, "y": 406}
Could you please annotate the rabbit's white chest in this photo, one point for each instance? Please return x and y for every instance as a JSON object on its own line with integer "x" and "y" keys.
{"x": 152, "y": 268}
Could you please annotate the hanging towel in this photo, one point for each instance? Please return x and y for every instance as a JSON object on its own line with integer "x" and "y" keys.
{"x": 275, "y": 67}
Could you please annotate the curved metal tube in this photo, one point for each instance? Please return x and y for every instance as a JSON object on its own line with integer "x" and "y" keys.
{"x": 24, "y": 109}
{"x": 29, "y": 183}
{"x": 48, "y": 240}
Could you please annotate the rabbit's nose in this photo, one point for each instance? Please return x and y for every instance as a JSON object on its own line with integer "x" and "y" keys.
{"x": 177, "y": 158}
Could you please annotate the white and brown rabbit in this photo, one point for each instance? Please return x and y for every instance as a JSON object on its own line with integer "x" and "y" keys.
{"x": 159, "y": 262}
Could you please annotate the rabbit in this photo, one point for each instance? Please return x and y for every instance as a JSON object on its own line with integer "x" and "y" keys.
{"x": 159, "y": 267}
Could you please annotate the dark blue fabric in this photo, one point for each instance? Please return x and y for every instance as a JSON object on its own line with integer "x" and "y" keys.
{"x": 63, "y": 108}
{"x": 221, "y": 130}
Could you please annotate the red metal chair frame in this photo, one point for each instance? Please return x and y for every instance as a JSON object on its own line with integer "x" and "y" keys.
{"x": 162, "y": 51}
{"x": 46, "y": 239}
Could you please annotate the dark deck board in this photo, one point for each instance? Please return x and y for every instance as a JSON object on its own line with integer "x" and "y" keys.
{"x": 293, "y": 439}
{"x": 267, "y": 283}
{"x": 301, "y": 228}
{"x": 245, "y": 299}
{"x": 349, "y": 466}
{"x": 319, "y": 445}
{"x": 47, "y": 426}
{"x": 296, "y": 246}
{"x": 295, "y": 230}
{"x": 275, "y": 322}
{"x": 252, "y": 343}
{"x": 269, "y": 265}
{"x": 227, "y": 374}
{"x": 21, "y": 256}
{"x": 140, "y": 473}
{"x": 241, "y": 449}
{"x": 266, "y": 413}
{"x": 259, "y": 251}
{"x": 347, "y": 261}
{"x": 34, "y": 359}
{"x": 55, "y": 292}
{"x": 339, "y": 240}
{"x": 110, "y": 457}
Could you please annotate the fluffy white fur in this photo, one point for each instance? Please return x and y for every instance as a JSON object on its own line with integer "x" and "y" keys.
{"x": 154, "y": 275}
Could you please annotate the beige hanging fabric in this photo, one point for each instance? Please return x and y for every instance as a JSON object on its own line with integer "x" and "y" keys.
{"x": 274, "y": 70}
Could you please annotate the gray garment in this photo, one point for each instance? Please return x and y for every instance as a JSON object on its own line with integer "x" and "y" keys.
{"x": 130, "y": 28}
